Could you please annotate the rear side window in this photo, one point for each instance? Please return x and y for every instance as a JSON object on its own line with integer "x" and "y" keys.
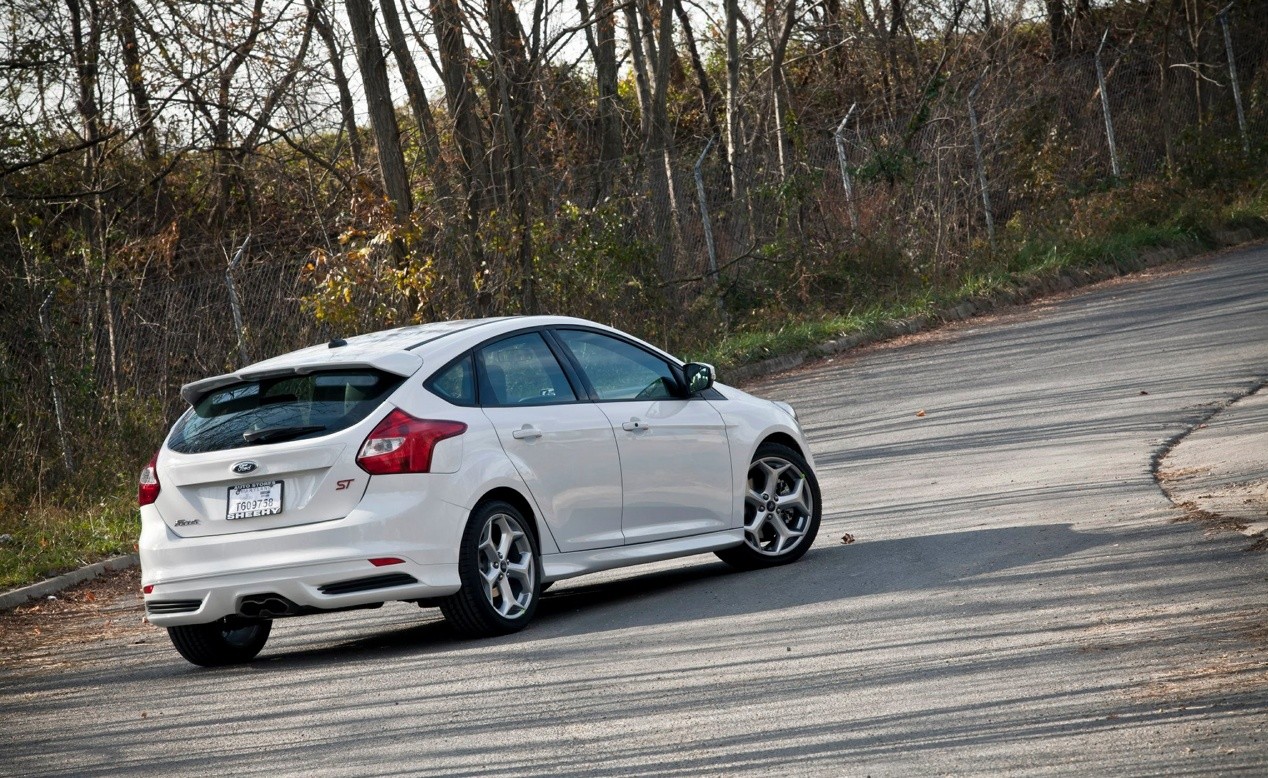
{"x": 455, "y": 383}
{"x": 522, "y": 371}
{"x": 290, "y": 407}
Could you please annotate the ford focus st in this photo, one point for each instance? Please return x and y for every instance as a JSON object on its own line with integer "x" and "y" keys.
{"x": 462, "y": 465}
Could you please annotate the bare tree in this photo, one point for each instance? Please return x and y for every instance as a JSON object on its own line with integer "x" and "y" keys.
{"x": 734, "y": 132}
{"x": 378, "y": 97}
{"x": 334, "y": 55}
{"x": 137, "y": 89}
{"x": 779, "y": 87}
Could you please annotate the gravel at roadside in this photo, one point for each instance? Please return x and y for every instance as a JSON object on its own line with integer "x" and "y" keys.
{"x": 1219, "y": 471}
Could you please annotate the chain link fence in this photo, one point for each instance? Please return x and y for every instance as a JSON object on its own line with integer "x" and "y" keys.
{"x": 922, "y": 189}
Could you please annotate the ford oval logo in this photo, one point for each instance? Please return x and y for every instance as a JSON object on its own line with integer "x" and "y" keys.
{"x": 242, "y": 468}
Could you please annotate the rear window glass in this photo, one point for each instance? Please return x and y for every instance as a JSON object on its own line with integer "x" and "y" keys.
{"x": 272, "y": 410}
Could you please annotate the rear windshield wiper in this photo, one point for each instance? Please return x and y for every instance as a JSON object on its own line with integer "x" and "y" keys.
{"x": 273, "y": 434}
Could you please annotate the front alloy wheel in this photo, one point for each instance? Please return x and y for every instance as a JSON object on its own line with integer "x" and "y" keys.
{"x": 500, "y": 574}
{"x": 781, "y": 509}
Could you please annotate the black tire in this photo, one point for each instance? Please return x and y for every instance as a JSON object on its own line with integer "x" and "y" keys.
{"x": 472, "y": 612}
{"x": 229, "y": 641}
{"x": 746, "y": 556}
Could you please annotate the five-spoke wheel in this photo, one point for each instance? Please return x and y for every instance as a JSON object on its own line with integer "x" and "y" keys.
{"x": 781, "y": 509}
{"x": 500, "y": 574}
{"x": 507, "y": 566}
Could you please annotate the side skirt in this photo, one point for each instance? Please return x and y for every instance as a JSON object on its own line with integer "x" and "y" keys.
{"x": 558, "y": 566}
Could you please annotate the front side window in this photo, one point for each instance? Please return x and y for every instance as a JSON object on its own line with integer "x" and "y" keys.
{"x": 618, "y": 370}
{"x": 522, "y": 370}
{"x": 289, "y": 407}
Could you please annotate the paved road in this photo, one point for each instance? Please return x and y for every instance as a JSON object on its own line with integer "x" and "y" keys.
{"x": 1021, "y": 598}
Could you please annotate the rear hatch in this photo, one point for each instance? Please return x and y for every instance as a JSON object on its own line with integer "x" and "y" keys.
{"x": 273, "y": 451}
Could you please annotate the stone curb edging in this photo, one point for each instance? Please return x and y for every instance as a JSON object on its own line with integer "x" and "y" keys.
{"x": 16, "y": 597}
{"x": 1069, "y": 278}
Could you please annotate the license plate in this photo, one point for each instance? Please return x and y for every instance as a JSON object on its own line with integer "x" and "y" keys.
{"x": 259, "y": 499}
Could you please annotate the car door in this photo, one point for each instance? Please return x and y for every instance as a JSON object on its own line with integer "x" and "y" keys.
{"x": 562, "y": 447}
{"x": 675, "y": 457}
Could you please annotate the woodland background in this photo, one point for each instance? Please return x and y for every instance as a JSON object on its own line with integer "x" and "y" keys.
{"x": 188, "y": 186}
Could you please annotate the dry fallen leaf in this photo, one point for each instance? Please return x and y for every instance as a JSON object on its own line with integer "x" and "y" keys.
{"x": 920, "y": 413}
{"x": 847, "y": 538}
{"x": 89, "y": 596}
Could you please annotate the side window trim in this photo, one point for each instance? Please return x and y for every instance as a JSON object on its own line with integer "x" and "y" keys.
{"x": 576, "y": 374}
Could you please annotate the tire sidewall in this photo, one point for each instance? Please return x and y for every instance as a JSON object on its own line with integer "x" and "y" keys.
{"x": 469, "y": 568}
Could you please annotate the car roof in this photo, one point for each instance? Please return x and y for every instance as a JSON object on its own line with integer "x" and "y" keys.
{"x": 399, "y": 350}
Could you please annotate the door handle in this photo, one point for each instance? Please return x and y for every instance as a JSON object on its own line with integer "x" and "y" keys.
{"x": 527, "y": 432}
{"x": 634, "y": 425}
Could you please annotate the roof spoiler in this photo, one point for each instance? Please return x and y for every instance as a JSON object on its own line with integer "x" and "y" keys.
{"x": 401, "y": 363}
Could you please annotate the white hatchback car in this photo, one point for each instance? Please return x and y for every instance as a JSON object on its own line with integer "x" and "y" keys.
{"x": 464, "y": 465}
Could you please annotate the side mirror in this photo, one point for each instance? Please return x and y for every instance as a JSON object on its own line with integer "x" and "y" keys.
{"x": 698, "y": 377}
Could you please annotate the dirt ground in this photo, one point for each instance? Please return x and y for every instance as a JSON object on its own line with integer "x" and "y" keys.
{"x": 108, "y": 607}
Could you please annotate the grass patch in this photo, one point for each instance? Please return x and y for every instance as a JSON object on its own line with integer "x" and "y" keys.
{"x": 48, "y": 540}
{"x": 1021, "y": 260}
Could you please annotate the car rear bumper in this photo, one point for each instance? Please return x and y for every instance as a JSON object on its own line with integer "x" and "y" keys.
{"x": 320, "y": 566}
{"x": 295, "y": 591}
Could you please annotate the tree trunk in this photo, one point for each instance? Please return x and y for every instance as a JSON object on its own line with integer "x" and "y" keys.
{"x": 734, "y": 133}
{"x": 140, "y": 95}
{"x": 708, "y": 97}
{"x": 428, "y": 137}
{"x": 86, "y": 51}
{"x": 460, "y": 98}
{"x": 378, "y": 97}
{"x": 1057, "y": 30}
{"x": 660, "y": 143}
{"x": 226, "y": 158}
{"x": 511, "y": 73}
{"x": 779, "y": 88}
{"x": 335, "y": 56}
{"x": 642, "y": 81}
{"x": 602, "y": 43}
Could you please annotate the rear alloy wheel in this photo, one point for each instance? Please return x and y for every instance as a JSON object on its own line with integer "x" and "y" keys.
{"x": 230, "y": 641}
{"x": 781, "y": 510}
{"x": 500, "y": 574}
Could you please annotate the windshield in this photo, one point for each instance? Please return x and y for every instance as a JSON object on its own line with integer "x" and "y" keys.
{"x": 289, "y": 407}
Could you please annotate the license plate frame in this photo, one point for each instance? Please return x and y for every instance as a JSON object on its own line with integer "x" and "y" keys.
{"x": 262, "y": 498}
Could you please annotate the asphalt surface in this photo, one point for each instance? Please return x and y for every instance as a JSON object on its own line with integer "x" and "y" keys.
{"x": 1021, "y": 598}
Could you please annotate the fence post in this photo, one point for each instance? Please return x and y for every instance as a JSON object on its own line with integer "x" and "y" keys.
{"x": 46, "y": 342}
{"x": 704, "y": 213}
{"x": 1105, "y": 108}
{"x": 981, "y": 165}
{"x": 846, "y": 181}
{"x": 1232, "y": 78}
{"x": 233, "y": 301}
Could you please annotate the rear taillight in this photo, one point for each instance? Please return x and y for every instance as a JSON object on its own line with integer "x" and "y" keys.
{"x": 402, "y": 444}
{"x": 148, "y": 488}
